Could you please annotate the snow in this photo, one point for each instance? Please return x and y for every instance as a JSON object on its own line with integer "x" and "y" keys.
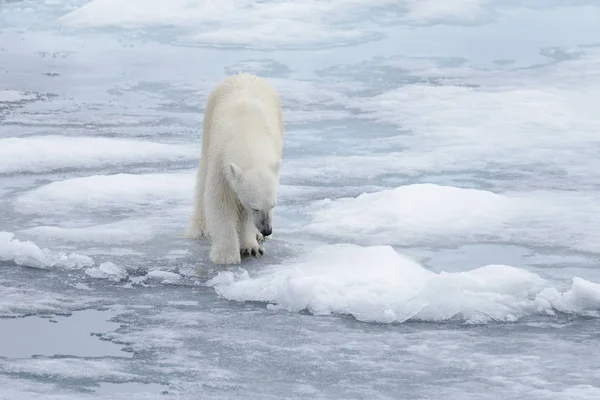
{"x": 376, "y": 284}
{"x": 127, "y": 231}
{"x": 118, "y": 192}
{"x": 426, "y": 214}
{"x": 123, "y": 192}
{"x": 30, "y": 255}
{"x": 413, "y": 212}
{"x": 48, "y": 153}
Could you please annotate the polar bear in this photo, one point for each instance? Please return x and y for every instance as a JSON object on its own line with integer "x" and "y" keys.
{"x": 238, "y": 174}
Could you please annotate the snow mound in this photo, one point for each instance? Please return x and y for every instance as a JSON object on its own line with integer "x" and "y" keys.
{"x": 376, "y": 284}
{"x": 124, "y": 193}
{"x": 408, "y": 213}
{"x": 30, "y": 255}
{"x": 120, "y": 192}
{"x": 128, "y": 231}
{"x": 48, "y": 153}
{"x": 436, "y": 215}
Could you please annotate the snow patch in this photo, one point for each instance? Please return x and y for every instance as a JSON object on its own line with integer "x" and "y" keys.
{"x": 30, "y": 255}
{"x": 48, "y": 153}
{"x": 429, "y": 214}
{"x": 376, "y": 284}
{"x": 120, "y": 192}
{"x": 126, "y": 231}
{"x": 409, "y": 213}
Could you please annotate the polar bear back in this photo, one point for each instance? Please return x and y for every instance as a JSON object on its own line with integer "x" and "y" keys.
{"x": 246, "y": 124}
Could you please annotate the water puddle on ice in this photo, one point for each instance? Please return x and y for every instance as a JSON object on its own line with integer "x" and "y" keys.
{"x": 67, "y": 336}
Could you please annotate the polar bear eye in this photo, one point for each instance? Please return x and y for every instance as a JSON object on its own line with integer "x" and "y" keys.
{"x": 255, "y": 209}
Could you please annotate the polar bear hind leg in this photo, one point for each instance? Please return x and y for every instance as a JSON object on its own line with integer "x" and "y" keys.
{"x": 197, "y": 228}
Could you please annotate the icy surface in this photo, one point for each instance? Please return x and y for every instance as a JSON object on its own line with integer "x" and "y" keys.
{"x": 107, "y": 270}
{"x": 14, "y": 96}
{"x": 437, "y": 233}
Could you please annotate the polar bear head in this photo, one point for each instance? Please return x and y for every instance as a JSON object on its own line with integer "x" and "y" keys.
{"x": 256, "y": 189}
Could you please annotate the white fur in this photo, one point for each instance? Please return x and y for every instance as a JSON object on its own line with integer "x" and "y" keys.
{"x": 239, "y": 167}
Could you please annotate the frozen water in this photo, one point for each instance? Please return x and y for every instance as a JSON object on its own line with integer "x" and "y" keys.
{"x": 66, "y": 336}
{"x": 437, "y": 234}
{"x": 264, "y": 24}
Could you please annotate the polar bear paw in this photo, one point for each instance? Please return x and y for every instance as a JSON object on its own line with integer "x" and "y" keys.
{"x": 251, "y": 247}
{"x": 252, "y": 251}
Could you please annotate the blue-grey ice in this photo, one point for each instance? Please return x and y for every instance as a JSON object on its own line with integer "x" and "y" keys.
{"x": 438, "y": 227}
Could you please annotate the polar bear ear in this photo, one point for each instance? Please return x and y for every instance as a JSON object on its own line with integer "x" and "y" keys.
{"x": 236, "y": 171}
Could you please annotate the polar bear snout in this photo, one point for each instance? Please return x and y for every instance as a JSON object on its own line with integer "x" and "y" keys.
{"x": 266, "y": 231}
{"x": 263, "y": 223}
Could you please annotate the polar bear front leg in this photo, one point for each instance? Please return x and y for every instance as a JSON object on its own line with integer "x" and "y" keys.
{"x": 249, "y": 236}
{"x": 221, "y": 221}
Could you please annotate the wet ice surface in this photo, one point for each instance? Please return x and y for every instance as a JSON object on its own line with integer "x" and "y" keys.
{"x": 437, "y": 234}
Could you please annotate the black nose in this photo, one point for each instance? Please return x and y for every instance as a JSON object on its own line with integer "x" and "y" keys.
{"x": 266, "y": 231}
